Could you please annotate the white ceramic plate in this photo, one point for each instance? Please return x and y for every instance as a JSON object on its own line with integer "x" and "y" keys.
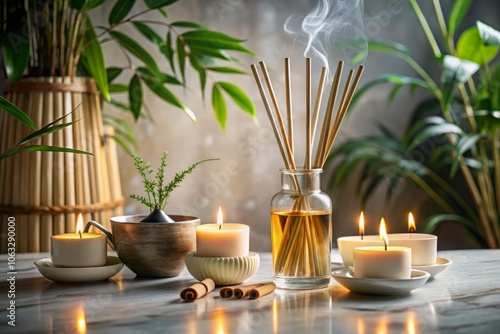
{"x": 440, "y": 266}
{"x": 381, "y": 287}
{"x": 46, "y": 268}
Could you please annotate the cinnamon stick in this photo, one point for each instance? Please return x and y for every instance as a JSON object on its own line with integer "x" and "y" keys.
{"x": 243, "y": 291}
{"x": 262, "y": 291}
{"x": 198, "y": 290}
{"x": 226, "y": 292}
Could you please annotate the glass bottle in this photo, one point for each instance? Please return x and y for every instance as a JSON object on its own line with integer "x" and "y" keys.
{"x": 301, "y": 231}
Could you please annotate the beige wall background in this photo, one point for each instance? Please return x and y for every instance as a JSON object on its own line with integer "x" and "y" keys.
{"x": 246, "y": 176}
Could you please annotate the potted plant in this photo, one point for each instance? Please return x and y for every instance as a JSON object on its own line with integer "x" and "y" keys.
{"x": 154, "y": 244}
{"x": 55, "y": 64}
{"x": 459, "y": 122}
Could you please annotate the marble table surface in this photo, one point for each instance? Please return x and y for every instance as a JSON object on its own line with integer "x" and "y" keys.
{"x": 464, "y": 299}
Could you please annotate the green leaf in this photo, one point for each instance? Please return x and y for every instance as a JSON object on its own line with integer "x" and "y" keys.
{"x": 198, "y": 66}
{"x": 434, "y": 130}
{"x": 432, "y": 222}
{"x": 489, "y": 35}
{"x": 463, "y": 145}
{"x": 113, "y": 73}
{"x": 214, "y": 40}
{"x": 92, "y": 59}
{"x": 121, "y": 128}
{"x": 455, "y": 72}
{"x": 149, "y": 33}
{"x": 134, "y": 48}
{"x": 207, "y": 51}
{"x": 17, "y": 113}
{"x": 160, "y": 76}
{"x": 122, "y": 144}
{"x": 42, "y": 148}
{"x": 169, "y": 51}
{"x": 162, "y": 92}
{"x": 187, "y": 24}
{"x": 46, "y": 130}
{"x": 226, "y": 70}
{"x": 396, "y": 79}
{"x": 181, "y": 58}
{"x": 77, "y": 4}
{"x": 15, "y": 46}
{"x": 239, "y": 97}
{"x": 118, "y": 88}
{"x": 120, "y": 10}
{"x": 119, "y": 105}
{"x": 219, "y": 106}
{"x": 457, "y": 14}
{"x": 135, "y": 96}
{"x": 470, "y": 47}
{"x": 389, "y": 47}
{"x": 155, "y": 4}
{"x": 83, "y": 5}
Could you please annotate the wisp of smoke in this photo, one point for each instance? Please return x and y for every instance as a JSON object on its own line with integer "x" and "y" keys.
{"x": 332, "y": 31}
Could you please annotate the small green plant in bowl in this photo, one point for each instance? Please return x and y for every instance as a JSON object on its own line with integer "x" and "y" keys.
{"x": 157, "y": 192}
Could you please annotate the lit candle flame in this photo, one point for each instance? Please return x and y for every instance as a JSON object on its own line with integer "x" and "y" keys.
{"x": 362, "y": 225}
{"x": 411, "y": 223}
{"x": 219, "y": 218}
{"x": 79, "y": 225}
{"x": 383, "y": 233}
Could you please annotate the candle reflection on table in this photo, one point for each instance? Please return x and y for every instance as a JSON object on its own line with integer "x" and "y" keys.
{"x": 410, "y": 323}
{"x": 81, "y": 324}
{"x": 275, "y": 316}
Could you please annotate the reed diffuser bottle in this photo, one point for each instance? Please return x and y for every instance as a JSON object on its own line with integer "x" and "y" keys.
{"x": 301, "y": 231}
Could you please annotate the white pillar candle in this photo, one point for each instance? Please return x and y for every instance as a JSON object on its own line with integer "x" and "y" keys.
{"x": 78, "y": 249}
{"x": 222, "y": 240}
{"x": 377, "y": 262}
{"x": 423, "y": 246}
{"x": 382, "y": 261}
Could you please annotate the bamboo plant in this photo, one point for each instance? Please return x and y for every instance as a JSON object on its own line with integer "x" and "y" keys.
{"x": 59, "y": 38}
{"x": 451, "y": 146}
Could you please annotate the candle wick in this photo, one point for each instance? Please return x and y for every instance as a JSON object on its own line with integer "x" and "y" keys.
{"x": 80, "y": 234}
{"x": 362, "y": 234}
{"x": 385, "y": 245}
{"x": 220, "y": 225}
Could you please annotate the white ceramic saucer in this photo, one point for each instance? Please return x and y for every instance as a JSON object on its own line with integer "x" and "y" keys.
{"x": 381, "y": 287}
{"x": 440, "y": 266}
{"x": 90, "y": 274}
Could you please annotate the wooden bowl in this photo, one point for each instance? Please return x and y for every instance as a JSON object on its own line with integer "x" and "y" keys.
{"x": 154, "y": 249}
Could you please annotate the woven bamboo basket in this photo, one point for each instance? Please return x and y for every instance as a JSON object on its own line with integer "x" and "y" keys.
{"x": 45, "y": 191}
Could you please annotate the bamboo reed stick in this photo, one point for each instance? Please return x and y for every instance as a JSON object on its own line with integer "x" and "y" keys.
{"x": 328, "y": 114}
{"x": 343, "y": 111}
{"x": 317, "y": 105}
{"x": 278, "y": 114}
{"x": 289, "y": 110}
{"x": 270, "y": 115}
{"x": 307, "y": 162}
